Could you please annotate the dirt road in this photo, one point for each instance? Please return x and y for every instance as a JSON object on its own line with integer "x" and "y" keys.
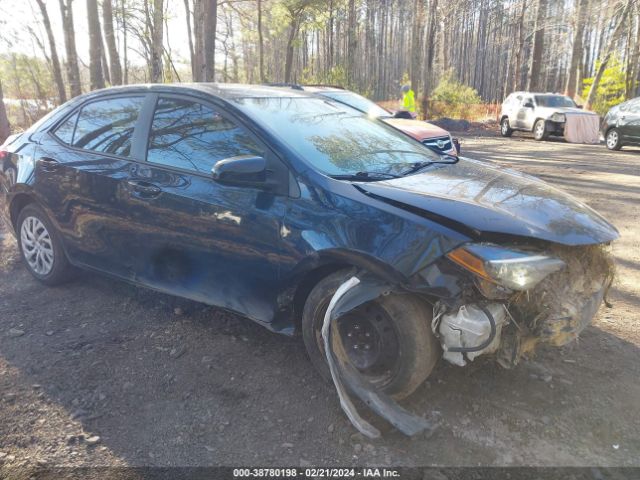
{"x": 163, "y": 381}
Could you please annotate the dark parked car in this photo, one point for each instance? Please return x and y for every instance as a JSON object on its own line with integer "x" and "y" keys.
{"x": 264, "y": 201}
{"x": 621, "y": 125}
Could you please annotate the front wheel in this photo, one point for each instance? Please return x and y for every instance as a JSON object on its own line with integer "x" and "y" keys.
{"x": 613, "y": 139}
{"x": 505, "y": 128}
{"x": 388, "y": 340}
{"x": 540, "y": 130}
{"x": 40, "y": 246}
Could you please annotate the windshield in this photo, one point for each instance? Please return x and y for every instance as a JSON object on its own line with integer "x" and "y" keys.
{"x": 335, "y": 140}
{"x": 554, "y": 101}
{"x": 358, "y": 102}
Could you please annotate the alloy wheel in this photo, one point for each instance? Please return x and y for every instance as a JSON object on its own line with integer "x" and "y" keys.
{"x": 37, "y": 246}
{"x": 612, "y": 139}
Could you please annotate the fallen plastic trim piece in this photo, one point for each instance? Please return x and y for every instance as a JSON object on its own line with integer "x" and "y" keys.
{"x": 350, "y": 410}
{"x": 348, "y": 296}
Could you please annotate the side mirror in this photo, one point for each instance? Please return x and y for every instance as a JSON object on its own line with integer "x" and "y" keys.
{"x": 580, "y": 106}
{"x": 243, "y": 170}
{"x": 528, "y": 105}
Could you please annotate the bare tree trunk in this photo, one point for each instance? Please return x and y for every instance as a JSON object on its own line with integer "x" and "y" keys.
{"x": 211, "y": 18}
{"x": 190, "y": 39}
{"x": 157, "y": 29}
{"x": 5, "y": 127}
{"x": 608, "y": 54}
{"x": 351, "y": 42}
{"x": 534, "y": 80}
{"x": 125, "y": 60}
{"x": 110, "y": 38}
{"x": 96, "y": 75}
{"x": 55, "y": 62}
{"x": 205, "y": 25}
{"x": 288, "y": 63}
{"x": 416, "y": 44}
{"x": 260, "y": 43}
{"x": 517, "y": 68}
{"x": 576, "y": 52}
{"x": 73, "y": 72}
{"x": 429, "y": 55}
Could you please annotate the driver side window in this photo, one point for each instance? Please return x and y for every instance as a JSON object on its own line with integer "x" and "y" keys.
{"x": 192, "y": 136}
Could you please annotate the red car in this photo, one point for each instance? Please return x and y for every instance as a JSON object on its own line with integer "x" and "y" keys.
{"x": 431, "y": 135}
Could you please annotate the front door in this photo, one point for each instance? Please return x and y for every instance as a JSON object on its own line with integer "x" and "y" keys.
{"x": 195, "y": 237}
{"x": 526, "y": 115}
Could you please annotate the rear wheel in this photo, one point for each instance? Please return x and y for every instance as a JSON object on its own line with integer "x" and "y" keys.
{"x": 40, "y": 246}
{"x": 388, "y": 340}
{"x": 505, "y": 128}
{"x": 613, "y": 139}
{"x": 540, "y": 130}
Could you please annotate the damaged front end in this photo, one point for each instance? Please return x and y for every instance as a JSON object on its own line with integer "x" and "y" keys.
{"x": 487, "y": 299}
{"x": 521, "y": 299}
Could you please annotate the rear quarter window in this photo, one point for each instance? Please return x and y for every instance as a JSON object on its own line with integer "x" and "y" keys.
{"x": 64, "y": 132}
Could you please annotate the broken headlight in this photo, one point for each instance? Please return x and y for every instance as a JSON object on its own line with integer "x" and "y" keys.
{"x": 509, "y": 268}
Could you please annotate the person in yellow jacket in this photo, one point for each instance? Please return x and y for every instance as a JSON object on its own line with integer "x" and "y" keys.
{"x": 408, "y": 99}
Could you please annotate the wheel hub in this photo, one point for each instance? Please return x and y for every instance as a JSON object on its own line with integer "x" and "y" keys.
{"x": 370, "y": 340}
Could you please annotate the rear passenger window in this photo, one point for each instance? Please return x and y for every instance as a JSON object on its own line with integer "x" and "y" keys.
{"x": 192, "y": 136}
{"x": 105, "y": 126}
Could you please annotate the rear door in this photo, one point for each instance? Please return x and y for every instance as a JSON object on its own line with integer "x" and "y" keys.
{"x": 195, "y": 237}
{"x": 81, "y": 167}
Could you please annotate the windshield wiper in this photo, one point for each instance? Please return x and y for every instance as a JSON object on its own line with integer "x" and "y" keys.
{"x": 364, "y": 176}
{"x": 416, "y": 167}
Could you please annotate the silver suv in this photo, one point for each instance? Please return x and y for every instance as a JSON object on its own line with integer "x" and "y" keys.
{"x": 540, "y": 113}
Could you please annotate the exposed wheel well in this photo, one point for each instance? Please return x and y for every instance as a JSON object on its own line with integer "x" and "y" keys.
{"x": 307, "y": 283}
{"x": 18, "y": 203}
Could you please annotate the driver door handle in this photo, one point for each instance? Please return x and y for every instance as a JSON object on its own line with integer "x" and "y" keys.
{"x": 144, "y": 189}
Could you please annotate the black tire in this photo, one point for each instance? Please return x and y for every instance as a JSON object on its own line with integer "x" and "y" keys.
{"x": 613, "y": 139}
{"x": 540, "y": 130}
{"x": 60, "y": 268}
{"x": 418, "y": 349}
{"x": 505, "y": 128}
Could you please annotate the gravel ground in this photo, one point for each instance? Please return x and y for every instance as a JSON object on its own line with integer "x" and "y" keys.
{"x": 98, "y": 372}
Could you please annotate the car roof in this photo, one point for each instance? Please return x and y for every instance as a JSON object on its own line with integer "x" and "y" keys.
{"x": 225, "y": 91}
{"x": 538, "y": 93}
{"x": 309, "y": 88}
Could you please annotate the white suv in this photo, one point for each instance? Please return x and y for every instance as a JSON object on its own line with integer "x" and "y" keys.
{"x": 540, "y": 113}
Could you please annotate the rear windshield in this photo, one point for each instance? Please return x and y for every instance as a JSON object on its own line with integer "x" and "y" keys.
{"x": 554, "y": 101}
{"x": 335, "y": 140}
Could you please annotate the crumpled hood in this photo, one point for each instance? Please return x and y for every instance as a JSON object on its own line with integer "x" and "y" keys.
{"x": 487, "y": 200}
{"x": 416, "y": 128}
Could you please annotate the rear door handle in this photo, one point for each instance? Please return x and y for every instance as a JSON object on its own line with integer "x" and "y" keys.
{"x": 49, "y": 164}
{"x": 144, "y": 189}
